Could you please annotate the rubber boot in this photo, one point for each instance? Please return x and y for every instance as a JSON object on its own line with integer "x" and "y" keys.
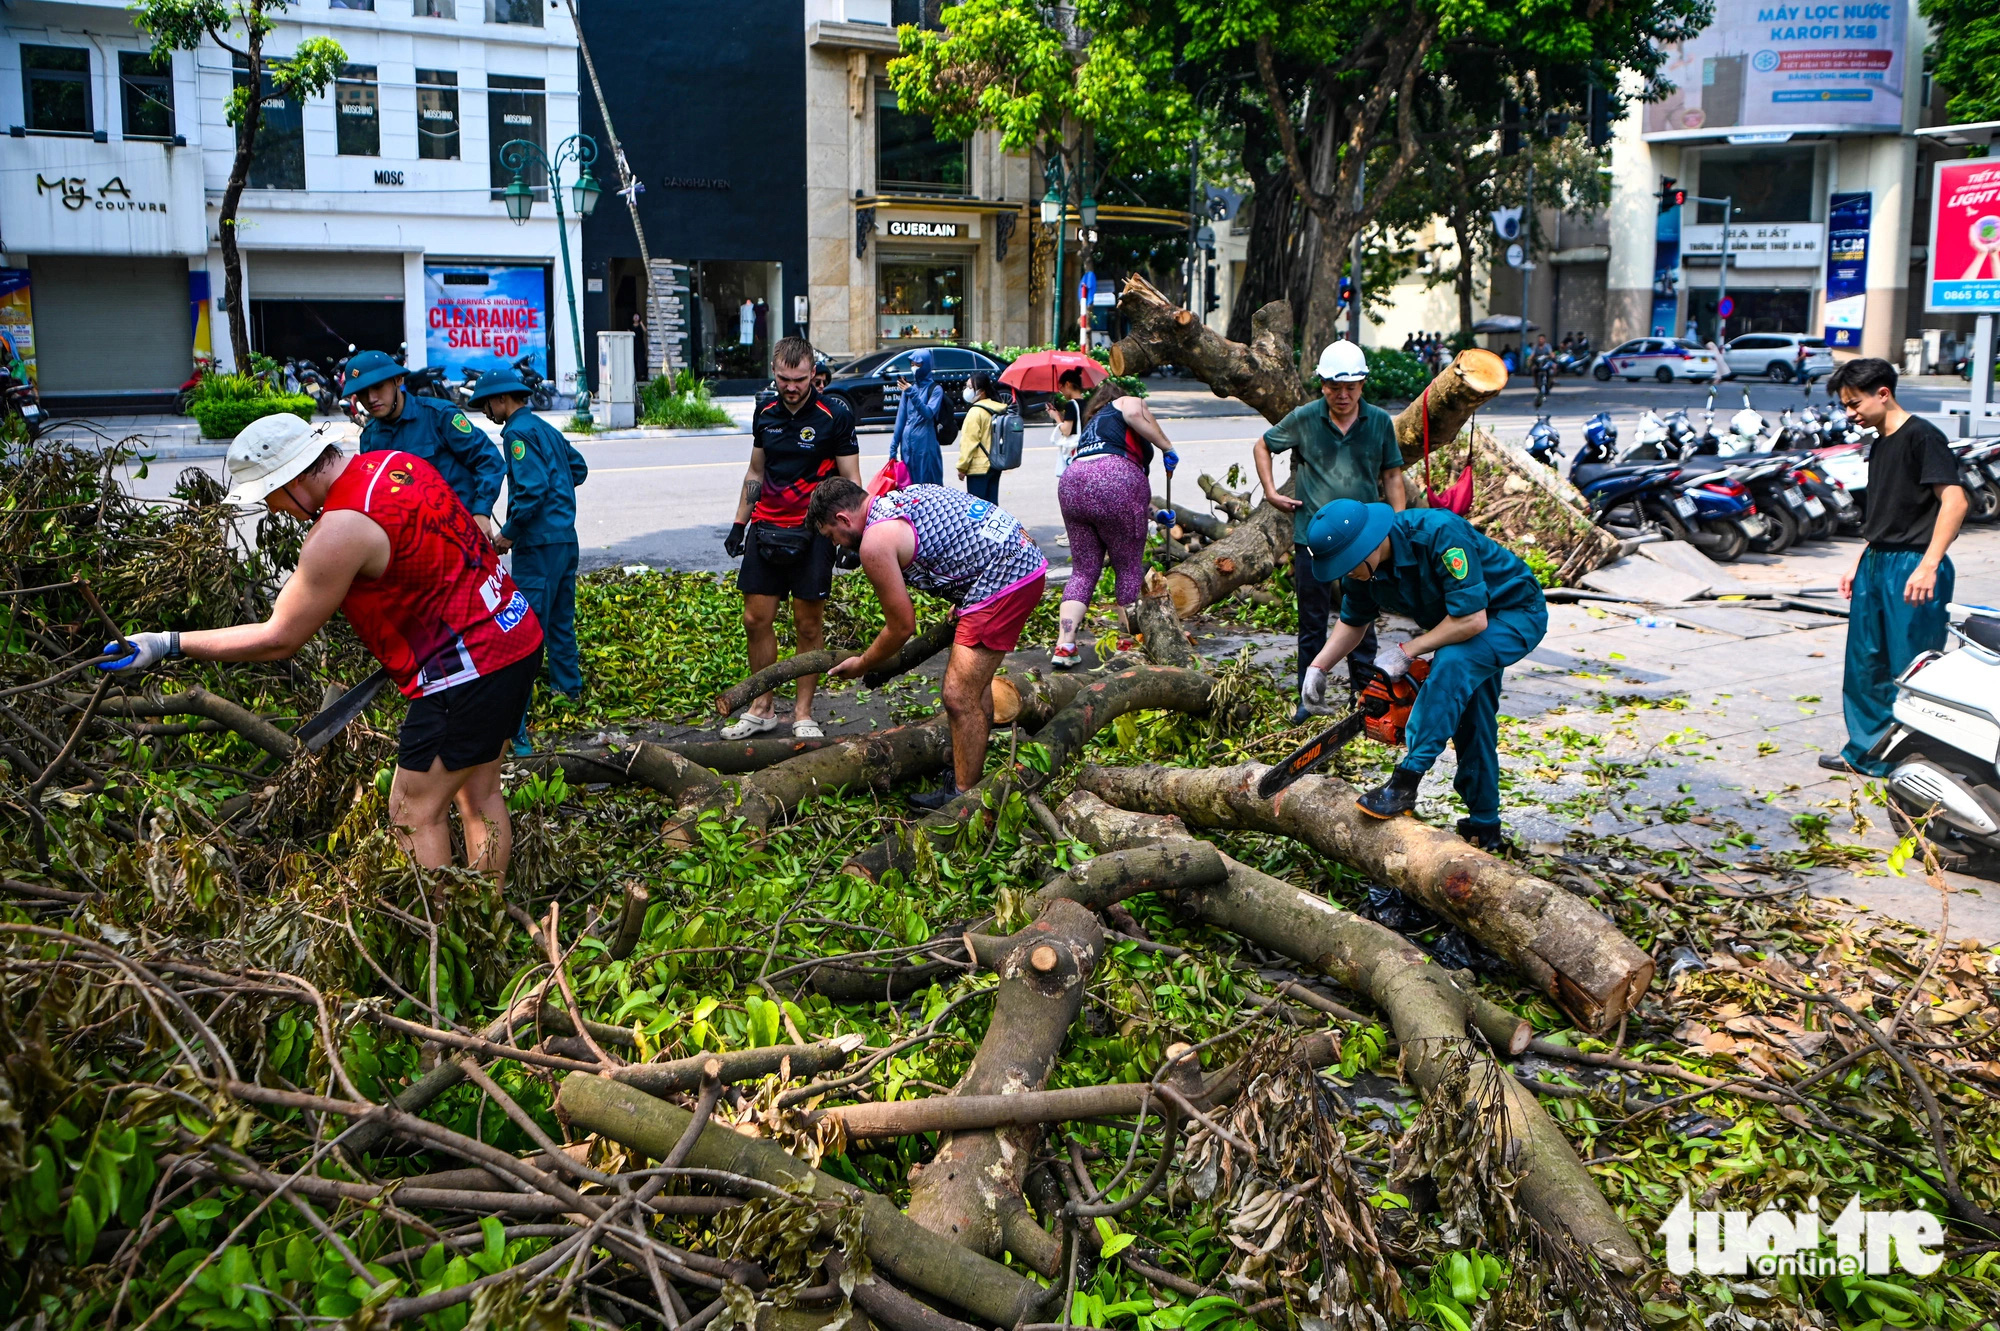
{"x": 1489, "y": 837}
{"x": 1396, "y": 797}
{"x": 933, "y": 800}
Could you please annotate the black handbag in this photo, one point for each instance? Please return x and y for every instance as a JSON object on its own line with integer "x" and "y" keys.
{"x": 781, "y": 545}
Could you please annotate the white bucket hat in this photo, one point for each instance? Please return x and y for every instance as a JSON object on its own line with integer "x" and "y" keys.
{"x": 270, "y": 451}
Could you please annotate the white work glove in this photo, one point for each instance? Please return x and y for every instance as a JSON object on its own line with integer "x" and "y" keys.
{"x": 148, "y": 649}
{"x": 1312, "y": 690}
{"x": 1392, "y": 660}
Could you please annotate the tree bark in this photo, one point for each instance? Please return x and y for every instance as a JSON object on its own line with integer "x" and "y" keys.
{"x": 920, "y": 648}
{"x": 1558, "y": 941}
{"x": 898, "y": 1246}
{"x": 1166, "y": 642}
{"x": 1427, "y": 1008}
{"x": 1043, "y": 971}
{"x": 200, "y": 702}
{"x": 797, "y": 666}
{"x": 1139, "y": 688}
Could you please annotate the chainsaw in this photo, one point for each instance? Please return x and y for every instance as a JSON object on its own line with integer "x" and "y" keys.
{"x": 1381, "y": 711}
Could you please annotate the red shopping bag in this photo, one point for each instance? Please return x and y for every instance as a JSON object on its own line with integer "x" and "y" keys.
{"x": 893, "y": 476}
{"x": 1457, "y": 498}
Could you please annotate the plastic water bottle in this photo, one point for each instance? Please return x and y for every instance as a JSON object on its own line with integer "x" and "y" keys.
{"x": 1654, "y": 622}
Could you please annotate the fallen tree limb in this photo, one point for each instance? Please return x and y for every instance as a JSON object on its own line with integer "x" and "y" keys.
{"x": 200, "y": 702}
{"x": 1166, "y": 642}
{"x": 734, "y": 757}
{"x": 1138, "y": 688}
{"x": 897, "y": 1245}
{"x": 1557, "y": 940}
{"x": 1043, "y": 971}
{"x": 1428, "y": 1011}
{"x": 1205, "y": 525}
{"x": 479, "y": 1200}
{"x": 921, "y": 647}
{"x": 797, "y": 666}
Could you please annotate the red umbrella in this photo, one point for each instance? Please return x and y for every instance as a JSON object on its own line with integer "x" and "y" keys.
{"x": 1038, "y": 371}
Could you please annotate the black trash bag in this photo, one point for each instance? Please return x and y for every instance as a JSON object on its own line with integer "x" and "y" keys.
{"x": 1391, "y": 909}
{"x": 1455, "y": 949}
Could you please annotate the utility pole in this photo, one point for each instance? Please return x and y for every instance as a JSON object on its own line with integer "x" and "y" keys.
{"x": 1728, "y": 203}
{"x": 1527, "y": 254}
{"x": 1354, "y": 262}
{"x": 628, "y": 189}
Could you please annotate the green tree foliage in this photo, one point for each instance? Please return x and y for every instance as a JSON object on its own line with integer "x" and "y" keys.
{"x": 240, "y": 28}
{"x": 1966, "y": 55}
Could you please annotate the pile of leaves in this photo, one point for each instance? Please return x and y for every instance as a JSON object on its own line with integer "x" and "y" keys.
{"x": 204, "y": 951}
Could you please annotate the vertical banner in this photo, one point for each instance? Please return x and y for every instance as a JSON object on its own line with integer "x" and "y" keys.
{"x": 198, "y": 316}
{"x": 1846, "y": 268}
{"x": 1666, "y": 273}
{"x": 486, "y": 316}
{"x": 17, "y": 322}
{"x": 1964, "y": 270}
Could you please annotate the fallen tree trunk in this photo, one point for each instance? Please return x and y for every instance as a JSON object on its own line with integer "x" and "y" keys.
{"x": 1166, "y": 642}
{"x": 1558, "y": 941}
{"x": 1427, "y": 1008}
{"x": 976, "y": 1176}
{"x": 897, "y": 1245}
{"x": 1139, "y": 688}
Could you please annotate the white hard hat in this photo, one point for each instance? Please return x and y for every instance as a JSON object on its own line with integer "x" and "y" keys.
{"x": 270, "y": 451}
{"x": 1342, "y": 362}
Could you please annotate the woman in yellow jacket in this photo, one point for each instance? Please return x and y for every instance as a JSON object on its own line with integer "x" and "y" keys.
{"x": 975, "y": 439}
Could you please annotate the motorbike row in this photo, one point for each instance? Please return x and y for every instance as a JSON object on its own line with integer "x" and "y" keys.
{"x": 1750, "y": 486}
{"x": 303, "y": 376}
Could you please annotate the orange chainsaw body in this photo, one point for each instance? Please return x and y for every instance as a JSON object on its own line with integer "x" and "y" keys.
{"x": 1385, "y": 703}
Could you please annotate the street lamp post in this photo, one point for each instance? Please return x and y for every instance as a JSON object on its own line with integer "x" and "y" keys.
{"x": 1055, "y": 213}
{"x": 516, "y": 155}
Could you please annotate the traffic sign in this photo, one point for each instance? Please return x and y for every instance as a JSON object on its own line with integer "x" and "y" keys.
{"x": 1726, "y": 306}
{"x": 1516, "y": 256}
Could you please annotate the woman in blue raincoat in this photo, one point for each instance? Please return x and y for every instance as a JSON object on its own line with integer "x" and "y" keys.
{"x": 916, "y": 440}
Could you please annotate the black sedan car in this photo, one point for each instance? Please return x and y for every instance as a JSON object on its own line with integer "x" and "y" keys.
{"x": 873, "y": 384}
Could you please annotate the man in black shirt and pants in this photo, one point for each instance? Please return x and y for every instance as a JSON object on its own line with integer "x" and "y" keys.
{"x": 1900, "y": 585}
{"x": 798, "y": 439}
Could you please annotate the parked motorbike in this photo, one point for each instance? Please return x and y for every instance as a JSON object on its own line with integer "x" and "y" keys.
{"x": 1940, "y": 748}
{"x": 302, "y": 376}
{"x": 541, "y": 393}
{"x": 1979, "y": 473}
{"x": 17, "y": 398}
{"x": 1576, "y": 360}
{"x": 428, "y": 382}
{"x": 1544, "y": 444}
{"x": 461, "y": 392}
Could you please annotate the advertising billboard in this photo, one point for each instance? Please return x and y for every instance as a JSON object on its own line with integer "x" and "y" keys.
{"x": 17, "y": 322}
{"x": 1847, "y": 268}
{"x": 485, "y": 316}
{"x": 1965, "y": 237}
{"x": 1766, "y": 68}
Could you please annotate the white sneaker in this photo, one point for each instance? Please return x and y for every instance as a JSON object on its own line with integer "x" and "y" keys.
{"x": 748, "y": 726}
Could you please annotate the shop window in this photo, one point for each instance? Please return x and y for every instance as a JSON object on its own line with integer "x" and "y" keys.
{"x": 146, "y": 86}
{"x": 437, "y": 115}
{"x": 920, "y": 300}
{"x": 1764, "y": 184}
{"x": 278, "y": 158}
{"x": 916, "y": 13}
{"x": 357, "y": 112}
{"x": 351, "y": 4}
{"x": 908, "y": 157}
{"x": 516, "y": 108}
{"x": 55, "y": 80}
{"x": 435, "y": 9}
{"x": 527, "y": 12}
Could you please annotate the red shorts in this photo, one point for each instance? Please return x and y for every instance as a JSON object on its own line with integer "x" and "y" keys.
{"x": 997, "y": 624}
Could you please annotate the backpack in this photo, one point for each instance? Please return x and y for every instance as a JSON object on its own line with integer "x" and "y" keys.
{"x": 1004, "y": 442}
{"x": 947, "y": 419}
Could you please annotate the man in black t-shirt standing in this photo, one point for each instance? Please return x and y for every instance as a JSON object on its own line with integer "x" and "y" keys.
{"x": 798, "y": 439}
{"x": 1899, "y": 586}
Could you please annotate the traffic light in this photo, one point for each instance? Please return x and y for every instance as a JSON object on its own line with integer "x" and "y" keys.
{"x": 1510, "y": 127}
{"x": 1671, "y": 197}
{"x": 1213, "y": 300}
{"x": 1598, "y": 108}
{"x": 1346, "y": 292}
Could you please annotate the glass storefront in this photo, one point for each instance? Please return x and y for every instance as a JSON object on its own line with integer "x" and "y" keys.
{"x": 920, "y": 299}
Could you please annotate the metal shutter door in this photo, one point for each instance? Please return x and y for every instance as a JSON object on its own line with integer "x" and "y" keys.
{"x": 319, "y": 275}
{"x": 111, "y": 325}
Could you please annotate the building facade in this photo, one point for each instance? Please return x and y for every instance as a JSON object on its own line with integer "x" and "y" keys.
{"x": 788, "y": 194}
{"x": 373, "y": 216}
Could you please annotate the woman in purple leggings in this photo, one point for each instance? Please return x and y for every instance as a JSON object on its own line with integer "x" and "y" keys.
{"x": 1107, "y": 501}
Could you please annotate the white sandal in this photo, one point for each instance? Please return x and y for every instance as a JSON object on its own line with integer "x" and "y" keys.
{"x": 748, "y": 726}
{"x": 807, "y": 729}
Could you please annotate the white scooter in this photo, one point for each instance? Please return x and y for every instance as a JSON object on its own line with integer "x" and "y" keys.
{"x": 1946, "y": 737}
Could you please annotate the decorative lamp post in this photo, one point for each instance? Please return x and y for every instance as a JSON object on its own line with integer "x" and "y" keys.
{"x": 516, "y": 156}
{"x": 1055, "y": 212}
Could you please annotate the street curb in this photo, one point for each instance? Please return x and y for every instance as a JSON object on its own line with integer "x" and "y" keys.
{"x": 651, "y": 432}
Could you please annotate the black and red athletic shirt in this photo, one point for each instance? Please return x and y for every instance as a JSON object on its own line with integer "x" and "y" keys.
{"x": 801, "y": 449}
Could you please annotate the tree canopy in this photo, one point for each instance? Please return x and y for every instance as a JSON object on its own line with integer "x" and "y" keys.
{"x": 1966, "y": 52}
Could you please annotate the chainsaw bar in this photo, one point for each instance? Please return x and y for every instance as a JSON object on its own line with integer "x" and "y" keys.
{"x": 1311, "y": 754}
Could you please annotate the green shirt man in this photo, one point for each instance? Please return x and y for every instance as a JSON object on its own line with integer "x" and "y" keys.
{"x": 1342, "y": 448}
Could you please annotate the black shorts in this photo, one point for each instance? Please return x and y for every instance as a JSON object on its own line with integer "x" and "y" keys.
{"x": 810, "y": 578}
{"x": 467, "y": 724}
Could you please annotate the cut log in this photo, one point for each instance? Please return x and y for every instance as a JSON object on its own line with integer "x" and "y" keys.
{"x": 1474, "y": 378}
{"x": 1043, "y": 971}
{"x": 1426, "y": 1007}
{"x": 736, "y": 757}
{"x": 1205, "y": 525}
{"x": 898, "y": 1246}
{"x": 1262, "y": 374}
{"x": 1137, "y": 688}
{"x": 1557, "y": 940}
{"x": 1103, "y": 881}
{"x": 679, "y": 778}
{"x": 797, "y": 666}
{"x": 1166, "y": 642}
{"x": 1258, "y": 546}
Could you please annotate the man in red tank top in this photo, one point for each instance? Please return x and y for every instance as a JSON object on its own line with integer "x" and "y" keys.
{"x": 396, "y": 551}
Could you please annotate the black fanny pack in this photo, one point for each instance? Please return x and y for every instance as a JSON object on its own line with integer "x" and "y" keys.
{"x": 781, "y": 545}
